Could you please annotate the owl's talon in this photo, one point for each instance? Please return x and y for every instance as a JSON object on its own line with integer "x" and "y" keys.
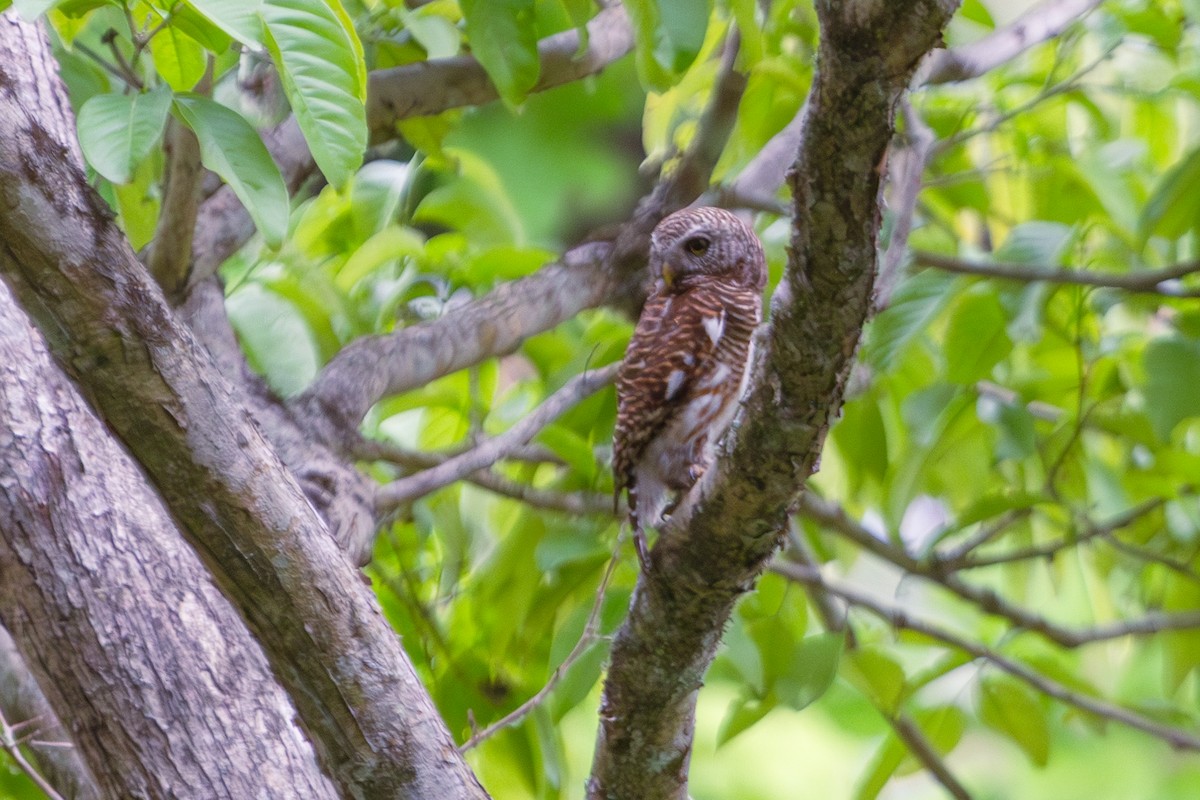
{"x": 639, "y": 544}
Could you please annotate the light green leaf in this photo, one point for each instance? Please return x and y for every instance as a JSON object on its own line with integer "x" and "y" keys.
{"x": 321, "y": 66}
{"x": 504, "y": 39}
{"x": 1172, "y": 368}
{"x": 236, "y": 18}
{"x": 1011, "y": 709}
{"x": 274, "y": 336}
{"x": 233, "y": 150}
{"x": 1174, "y": 207}
{"x": 813, "y": 667}
{"x": 179, "y": 58}
{"x": 117, "y": 131}
{"x": 913, "y": 307}
{"x": 876, "y": 674}
{"x": 743, "y": 713}
{"x": 976, "y": 338}
{"x": 1037, "y": 242}
{"x": 138, "y": 203}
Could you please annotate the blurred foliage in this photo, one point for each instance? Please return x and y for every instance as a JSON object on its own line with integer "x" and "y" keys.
{"x": 1016, "y": 414}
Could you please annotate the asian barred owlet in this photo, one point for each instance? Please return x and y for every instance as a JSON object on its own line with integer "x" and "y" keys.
{"x": 686, "y": 364}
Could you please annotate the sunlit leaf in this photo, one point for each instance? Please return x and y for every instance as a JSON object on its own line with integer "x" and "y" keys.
{"x": 1011, "y": 709}
{"x": 321, "y": 65}
{"x": 504, "y": 39}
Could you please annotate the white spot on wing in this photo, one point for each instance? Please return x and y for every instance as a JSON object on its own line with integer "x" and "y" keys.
{"x": 715, "y": 327}
{"x": 675, "y": 383}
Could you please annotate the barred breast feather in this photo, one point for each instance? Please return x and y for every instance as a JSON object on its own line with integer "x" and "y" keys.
{"x": 678, "y": 389}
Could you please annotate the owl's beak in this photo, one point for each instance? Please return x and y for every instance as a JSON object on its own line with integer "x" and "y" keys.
{"x": 668, "y": 274}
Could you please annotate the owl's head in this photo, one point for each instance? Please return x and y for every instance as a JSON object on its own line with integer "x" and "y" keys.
{"x": 707, "y": 242}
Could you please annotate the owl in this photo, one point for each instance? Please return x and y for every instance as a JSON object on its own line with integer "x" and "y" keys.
{"x": 686, "y": 365}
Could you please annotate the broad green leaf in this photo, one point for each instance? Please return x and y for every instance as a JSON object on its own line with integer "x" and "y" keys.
{"x": 943, "y": 727}
{"x": 668, "y": 37}
{"x": 503, "y": 37}
{"x": 179, "y": 58}
{"x": 138, "y": 203}
{"x": 117, "y": 131}
{"x": 743, "y": 713}
{"x": 913, "y": 307}
{"x": 390, "y": 243}
{"x": 1174, "y": 207}
{"x": 274, "y": 336}
{"x": 1011, "y": 709}
{"x": 236, "y": 18}
{"x": 876, "y": 674}
{"x": 1172, "y": 367}
{"x": 233, "y": 150}
{"x": 976, "y": 338}
{"x": 321, "y": 66}
{"x": 1037, "y": 242}
{"x": 1181, "y": 649}
{"x": 813, "y": 667}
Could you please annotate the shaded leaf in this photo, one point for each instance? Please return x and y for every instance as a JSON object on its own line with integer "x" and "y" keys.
{"x": 117, "y": 131}
{"x": 233, "y": 150}
{"x": 504, "y": 39}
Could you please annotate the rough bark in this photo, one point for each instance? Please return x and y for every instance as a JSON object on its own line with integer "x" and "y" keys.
{"x": 374, "y": 725}
{"x": 161, "y": 687}
{"x": 727, "y": 528}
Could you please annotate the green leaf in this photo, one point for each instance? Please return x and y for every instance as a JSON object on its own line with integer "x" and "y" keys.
{"x": 274, "y": 336}
{"x": 668, "y": 38}
{"x": 1174, "y": 206}
{"x": 976, "y": 338}
{"x": 236, "y": 18}
{"x": 813, "y": 667}
{"x": 321, "y": 66}
{"x": 1172, "y": 368}
{"x": 1011, "y": 709}
{"x": 916, "y": 303}
{"x": 138, "y": 204}
{"x": 179, "y": 58}
{"x": 877, "y": 675}
{"x": 743, "y": 713}
{"x": 117, "y": 131}
{"x": 233, "y": 150}
{"x": 1037, "y": 242}
{"x": 504, "y": 39}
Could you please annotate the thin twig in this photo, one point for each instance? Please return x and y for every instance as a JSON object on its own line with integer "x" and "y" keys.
{"x": 590, "y": 635}
{"x": 907, "y": 170}
{"x": 11, "y": 744}
{"x": 489, "y": 451}
{"x": 1156, "y": 281}
{"x": 1039, "y": 24}
{"x": 899, "y": 619}
{"x": 986, "y": 599}
{"x": 908, "y": 732}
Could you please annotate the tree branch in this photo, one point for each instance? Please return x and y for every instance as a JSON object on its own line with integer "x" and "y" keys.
{"x": 899, "y": 619}
{"x": 986, "y": 599}
{"x": 431, "y": 87}
{"x": 427, "y": 87}
{"x": 1039, "y": 24}
{"x": 488, "y": 452}
{"x": 375, "y": 726}
{"x": 1153, "y": 281}
{"x": 593, "y": 273}
{"x": 728, "y": 526}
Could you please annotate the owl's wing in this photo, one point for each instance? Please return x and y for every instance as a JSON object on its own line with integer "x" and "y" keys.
{"x": 675, "y": 336}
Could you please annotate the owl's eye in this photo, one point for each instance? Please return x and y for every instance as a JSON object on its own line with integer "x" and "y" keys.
{"x": 697, "y": 245}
